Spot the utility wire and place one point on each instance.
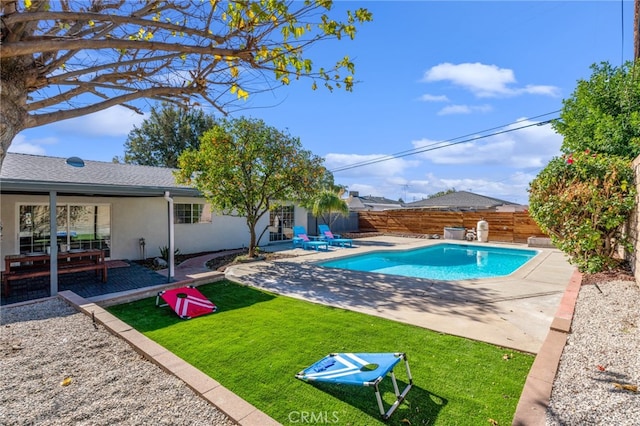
(446, 143)
(434, 146)
(622, 32)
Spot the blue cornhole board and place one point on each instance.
(360, 369)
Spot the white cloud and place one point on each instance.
(381, 179)
(398, 180)
(378, 169)
(484, 80)
(367, 189)
(530, 147)
(419, 189)
(540, 90)
(505, 190)
(434, 98)
(464, 109)
(21, 145)
(455, 109)
(522, 178)
(114, 121)
(500, 166)
(512, 188)
(382, 188)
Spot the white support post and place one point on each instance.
(171, 254)
(53, 243)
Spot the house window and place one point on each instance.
(191, 213)
(79, 227)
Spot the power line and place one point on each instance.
(446, 143)
(621, 32)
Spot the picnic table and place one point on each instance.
(38, 264)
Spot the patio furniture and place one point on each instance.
(360, 369)
(332, 239)
(187, 302)
(301, 239)
(32, 265)
(296, 240)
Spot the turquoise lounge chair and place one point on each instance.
(301, 239)
(334, 239)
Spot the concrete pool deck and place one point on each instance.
(513, 312)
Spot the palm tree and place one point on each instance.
(328, 202)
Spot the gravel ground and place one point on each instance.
(600, 365)
(58, 369)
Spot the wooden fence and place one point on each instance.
(503, 227)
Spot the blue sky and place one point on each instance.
(428, 72)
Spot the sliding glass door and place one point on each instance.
(80, 226)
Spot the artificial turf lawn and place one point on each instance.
(257, 341)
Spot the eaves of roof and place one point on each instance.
(382, 205)
(22, 186)
(24, 173)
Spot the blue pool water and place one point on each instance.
(439, 262)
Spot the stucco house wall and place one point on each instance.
(132, 219)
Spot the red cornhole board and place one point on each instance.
(187, 302)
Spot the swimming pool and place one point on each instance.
(447, 262)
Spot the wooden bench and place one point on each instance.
(19, 267)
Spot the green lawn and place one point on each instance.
(257, 341)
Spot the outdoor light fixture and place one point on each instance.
(142, 243)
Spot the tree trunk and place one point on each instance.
(8, 131)
(252, 238)
(13, 97)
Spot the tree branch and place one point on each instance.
(42, 119)
(54, 100)
(100, 17)
(22, 48)
(90, 70)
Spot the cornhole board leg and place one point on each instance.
(380, 405)
(399, 396)
(158, 302)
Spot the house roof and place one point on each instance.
(41, 174)
(378, 200)
(363, 201)
(460, 200)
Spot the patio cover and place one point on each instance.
(187, 302)
(360, 369)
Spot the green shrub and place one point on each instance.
(582, 202)
(164, 252)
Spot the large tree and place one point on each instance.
(603, 113)
(62, 59)
(243, 166)
(163, 136)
